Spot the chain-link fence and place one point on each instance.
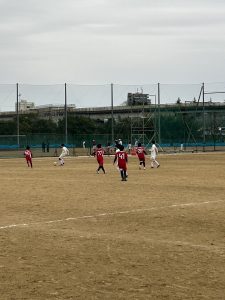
(177, 116)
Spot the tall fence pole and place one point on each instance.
(17, 116)
(65, 110)
(112, 114)
(159, 121)
(203, 111)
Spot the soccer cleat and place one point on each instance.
(158, 166)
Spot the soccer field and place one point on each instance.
(69, 233)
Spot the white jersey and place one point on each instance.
(154, 151)
(65, 151)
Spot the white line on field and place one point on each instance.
(138, 210)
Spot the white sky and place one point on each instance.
(119, 41)
(104, 41)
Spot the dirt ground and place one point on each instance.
(69, 233)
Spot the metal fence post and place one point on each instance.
(159, 125)
(17, 116)
(66, 130)
(112, 115)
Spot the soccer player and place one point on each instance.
(141, 155)
(154, 152)
(117, 149)
(65, 152)
(129, 147)
(108, 148)
(99, 153)
(93, 146)
(28, 156)
(122, 158)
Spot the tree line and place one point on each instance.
(173, 127)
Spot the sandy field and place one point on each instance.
(69, 233)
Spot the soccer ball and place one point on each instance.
(55, 163)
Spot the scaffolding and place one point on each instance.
(210, 129)
(143, 126)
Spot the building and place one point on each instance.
(138, 99)
(24, 105)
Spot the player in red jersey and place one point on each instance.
(99, 153)
(28, 156)
(122, 158)
(141, 155)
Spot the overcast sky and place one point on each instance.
(98, 42)
(104, 41)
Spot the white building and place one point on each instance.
(25, 105)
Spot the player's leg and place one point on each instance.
(97, 171)
(28, 162)
(103, 169)
(101, 162)
(99, 166)
(125, 175)
(157, 163)
(152, 162)
(61, 160)
(140, 165)
(144, 164)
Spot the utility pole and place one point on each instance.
(17, 115)
(65, 113)
(159, 125)
(203, 111)
(112, 115)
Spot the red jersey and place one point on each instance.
(141, 153)
(28, 154)
(99, 152)
(121, 156)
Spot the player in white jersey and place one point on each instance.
(154, 152)
(65, 152)
(117, 149)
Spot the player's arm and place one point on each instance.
(115, 158)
